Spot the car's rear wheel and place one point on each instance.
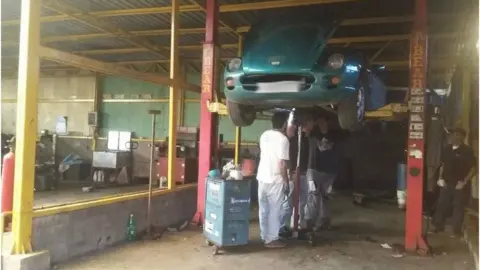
(241, 115)
(352, 111)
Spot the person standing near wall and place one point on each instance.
(272, 179)
(457, 169)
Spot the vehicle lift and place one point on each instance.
(210, 108)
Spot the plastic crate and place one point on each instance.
(227, 212)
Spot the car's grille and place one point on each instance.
(249, 82)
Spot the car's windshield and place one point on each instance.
(298, 32)
(321, 20)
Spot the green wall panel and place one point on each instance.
(133, 116)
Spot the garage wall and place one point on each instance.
(133, 116)
(53, 88)
(114, 116)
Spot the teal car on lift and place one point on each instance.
(286, 64)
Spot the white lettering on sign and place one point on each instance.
(418, 100)
(417, 108)
(415, 153)
(234, 201)
(416, 135)
(416, 118)
(208, 226)
(416, 126)
(417, 92)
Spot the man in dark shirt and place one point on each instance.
(458, 167)
(323, 165)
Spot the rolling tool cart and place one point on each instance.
(227, 213)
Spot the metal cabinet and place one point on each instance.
(227, 212)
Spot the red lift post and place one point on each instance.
(208, 120)
(414, 240)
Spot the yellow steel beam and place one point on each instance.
(97, 101)
(117, 198)
(391, 65)
(377, 54)
(182, 94)
(187, 8)
(108, 68)
(94, 22)
(173, 97)
(155, 32)
(403, 64)
(135, 50)
(225, 25)
(338, 40)
(26, 133)
(241, 29)
(376, 20)
(466, 101)
(238, 130)
(105, 100)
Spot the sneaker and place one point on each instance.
(275, 244)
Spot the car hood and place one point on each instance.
(285, 47)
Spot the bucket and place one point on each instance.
(401, 185)
(248, 167)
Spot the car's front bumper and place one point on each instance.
(316, 95)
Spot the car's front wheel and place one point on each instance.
(352, 111)
(241, 115)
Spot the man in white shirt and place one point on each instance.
(272, 179)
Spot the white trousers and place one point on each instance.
(270, 198)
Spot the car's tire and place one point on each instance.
(241, 115)
(352, 111)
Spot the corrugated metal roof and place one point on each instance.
(66, 28)
(91, 44)
(354, 9)
(102, 5)
(144, 22)
(140, 56)
(11, 10)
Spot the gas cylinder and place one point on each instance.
(248, 167)
(7, 182)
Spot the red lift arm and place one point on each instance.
(208, 120)
(414, 240)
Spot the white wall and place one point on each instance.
(51, 89)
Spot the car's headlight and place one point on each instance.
(234, 64)
(336, 61)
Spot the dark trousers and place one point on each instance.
(451, 199)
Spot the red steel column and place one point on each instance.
(416, 135)
(208, 120)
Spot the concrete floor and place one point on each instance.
(353, 244)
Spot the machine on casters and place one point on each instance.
(113, 166)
